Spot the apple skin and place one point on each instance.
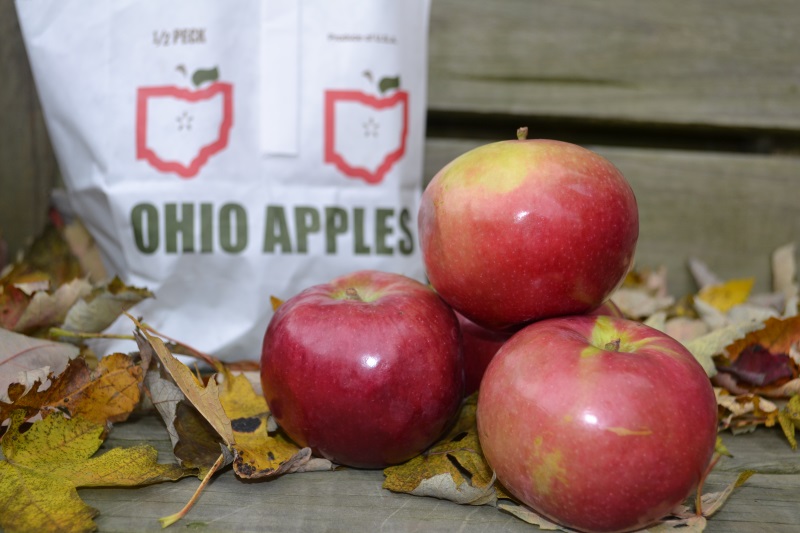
(364, 382)
(596, 439)
(516, 231)
(479, 345)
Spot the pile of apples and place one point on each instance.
(597, 422)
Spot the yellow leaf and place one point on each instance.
(727, 295)
(257, 453)
(453, 469)
(276, 302)
(44, 466)
(789, 420)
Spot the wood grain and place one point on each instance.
(716, 62)
(353, 500)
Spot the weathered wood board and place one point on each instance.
(712, 63)
(352, 500)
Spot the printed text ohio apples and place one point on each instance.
(517, 231)
(366, 370)
(599, 423)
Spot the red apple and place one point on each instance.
(517, 231)
(598, 423)
(478, 346)
(366, 370)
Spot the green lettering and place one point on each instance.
(144, 219)
(406, 243)
(206, 228)
(306, 220)
(361, 248)
(382, 231)
(232, 228)
(183, 226)
(276, 231)
(335, 224)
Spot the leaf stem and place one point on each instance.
(210, 360)
(698, 502)
(171, 519)
(61, 332)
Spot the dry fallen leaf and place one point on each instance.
(257, 454)
(44, 465)
(204, 398)
(762, 361)
(102, 306)
(453, 469)
(789, 420)
(44, 308)
(109, 393)
(26, 360)
(724, 296)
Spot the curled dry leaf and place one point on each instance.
(44, 308)
(204, 398)
(762, 360)
(26, 360)
(257, 453)
(97, 310)
(453, 469)
(109, 393)
(44, 465)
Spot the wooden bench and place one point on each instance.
(698, 103)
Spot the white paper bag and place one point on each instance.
(224, 151)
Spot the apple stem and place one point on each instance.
(613, 346)
(522, 133)
(352, 294)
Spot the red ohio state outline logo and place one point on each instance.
(332, 156)
(203, 155)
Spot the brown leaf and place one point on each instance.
(109, 393)
(205, 398)
(26, 360)
(49, 255)
(761, 360)
(102, 306)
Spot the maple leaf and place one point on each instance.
(257, 453)
(44, 465)
(453, 469)
(109, 393)
(26, 360)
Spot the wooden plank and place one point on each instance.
(729, 210)
(685, 62)
(353, 500)
(28, 170)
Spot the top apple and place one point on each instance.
(520, 230)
